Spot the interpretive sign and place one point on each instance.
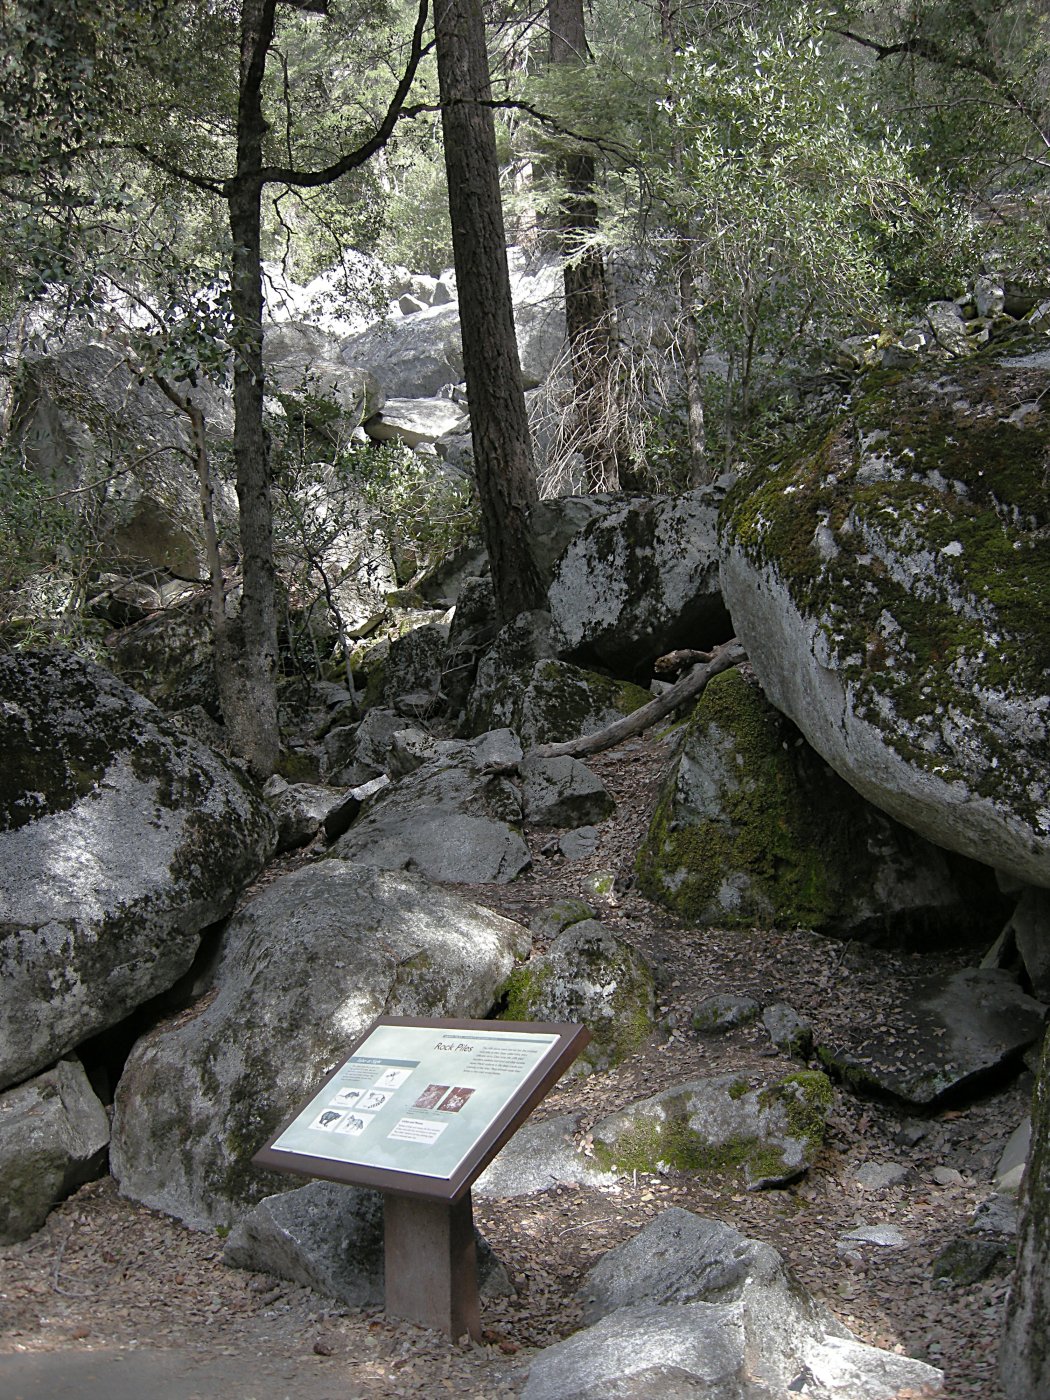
(418, 1108)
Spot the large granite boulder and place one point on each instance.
(950, 1036)
(120, 841)
(521, 684)
(753, 827)
(418, 356)
(1024, 1358)
(690, 1307)
(889, 580)
(304, 969)
(53, 1137)
(304, 370)
(83, 416)
(640, 580)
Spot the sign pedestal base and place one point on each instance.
(431, 1264)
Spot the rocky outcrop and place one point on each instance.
(120, 841)
(753, 827)
(448, 818)
(595, 979)
(82, 416)
(888, 579)
(303, 970)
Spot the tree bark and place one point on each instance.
(691, 685)
(599, 429)
(254, 723)
(499, 424)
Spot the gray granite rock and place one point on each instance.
(948, 1037)
(330, 1238)
(539, 1156)
(53, 1137)
(562, 792)
(767, 1136)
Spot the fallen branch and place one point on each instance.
(691, 685)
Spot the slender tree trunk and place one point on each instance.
(499, 424)
(590, 320)
(254, 725)
(689, 337)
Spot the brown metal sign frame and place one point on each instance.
(571, 1040)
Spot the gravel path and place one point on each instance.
(111, 1300)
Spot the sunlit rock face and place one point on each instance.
(120, 841)
(304, 969)
(890, 579)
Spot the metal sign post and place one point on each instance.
(417, 1110)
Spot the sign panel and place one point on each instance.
(420, 1107)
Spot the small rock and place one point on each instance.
(996, 1216)
(723, 1012)
(579, 844)
(877, 1176)
(967, 1260)
(947, 1176)
(884, 1236)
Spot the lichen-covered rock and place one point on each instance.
(415, 663)
(53, 1137)
(722, 1127)
(120, 840)
(300, 810)
(949, 1035)
(639, 580)
(448, 819)
(304, 969)
(1024, 1357)
(168, 657)
(591, 977)
(562, 791)
(753, 827)
(495, 697)
(891, 583)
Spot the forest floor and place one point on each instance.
(111, 1301)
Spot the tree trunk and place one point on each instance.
(499, 425)
(689, 339)
(254, 725)
(599, 429)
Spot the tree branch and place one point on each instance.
(352, 160)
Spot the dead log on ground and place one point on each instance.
(690, 686)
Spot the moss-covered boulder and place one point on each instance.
(303, 970)
(121, 839)
(723, 1128)
(890, 579)
(593, 978)
(754, 827)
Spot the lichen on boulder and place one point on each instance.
(890, 580)
(722, 1127)
(590, 977)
